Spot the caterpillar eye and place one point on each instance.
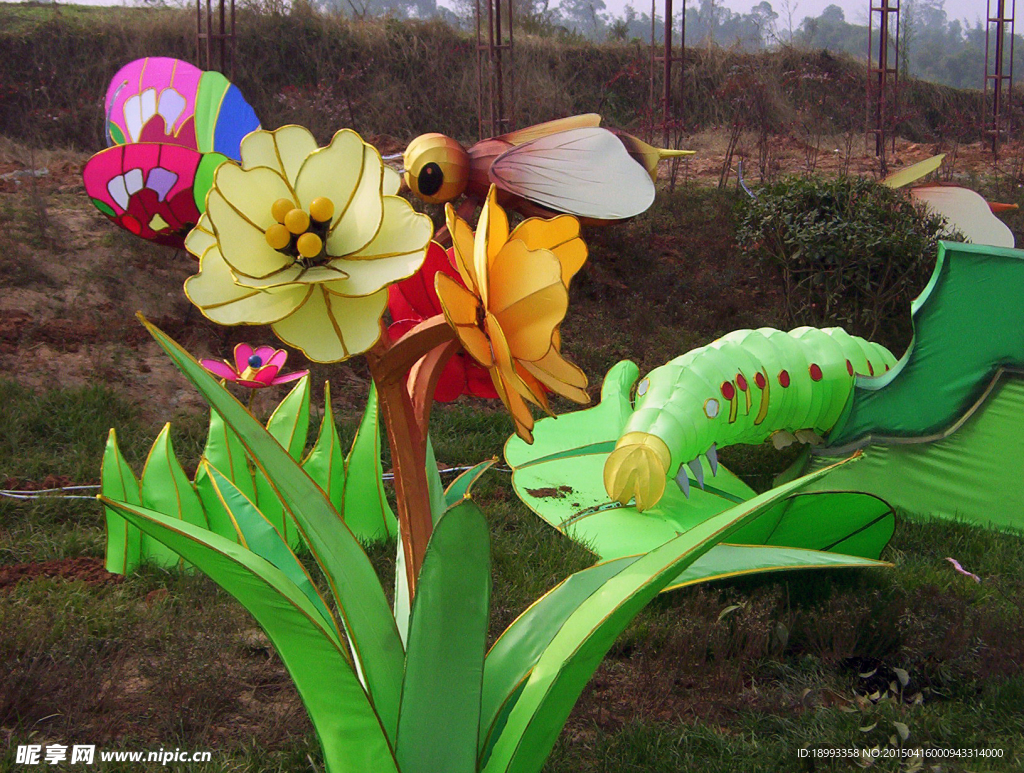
(639, 390)
(431, 179)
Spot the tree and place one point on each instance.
(585, 17)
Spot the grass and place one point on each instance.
(165, 659)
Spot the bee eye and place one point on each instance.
(430, 180)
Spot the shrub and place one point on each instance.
(845, 251)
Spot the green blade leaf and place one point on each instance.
(326, 463)
(117, 481)
(401, 606)
(366, 511)
(257, 534)
(459, 488)
(724, 561)
(350, 731)
(225, 452)
(367, 619)
(219, 518)
(289, 425)
(434, 485)
(167, 489)
(440, 718)
(513, 656)
(578, 647)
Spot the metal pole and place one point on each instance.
(479, 78)
(510, 120)
(499, 75)
(490, 57)
(233, 40)
(209, 33)
(667, 105)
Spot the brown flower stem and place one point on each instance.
(406, 375)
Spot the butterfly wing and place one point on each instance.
(222, 116)
(585, 172)
(156, 191)
(153, 100)
(159, 99)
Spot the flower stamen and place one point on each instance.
(299, 234)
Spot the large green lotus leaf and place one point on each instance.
(366, 509)
(562, 481)
(166, 488)
(350, 731)
(837, 521)
(325, 463)
(581, 642)
(117, 481)
(581, 432)
(289, 425)
(568, 492)
(368, 621)
(257, 534)
(440, 719)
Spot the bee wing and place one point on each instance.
(584, 172)
(520, 136)
(965, 211)
(914, 172)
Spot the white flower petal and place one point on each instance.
(329, 327)
(282, 150)
(392, 182)
(348, 172)
(251, 192)
(214, 291)
(396, 252)
(242, 241)
(201, 238)
(294, 275)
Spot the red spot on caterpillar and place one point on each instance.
(871, 368)
(728, 392)
(849, 367)
(759, 380)
(815, 372)
(886, 368)
(741, 382)
(784, 378)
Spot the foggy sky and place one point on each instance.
(856, 10)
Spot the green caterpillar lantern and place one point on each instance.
(747, 387)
